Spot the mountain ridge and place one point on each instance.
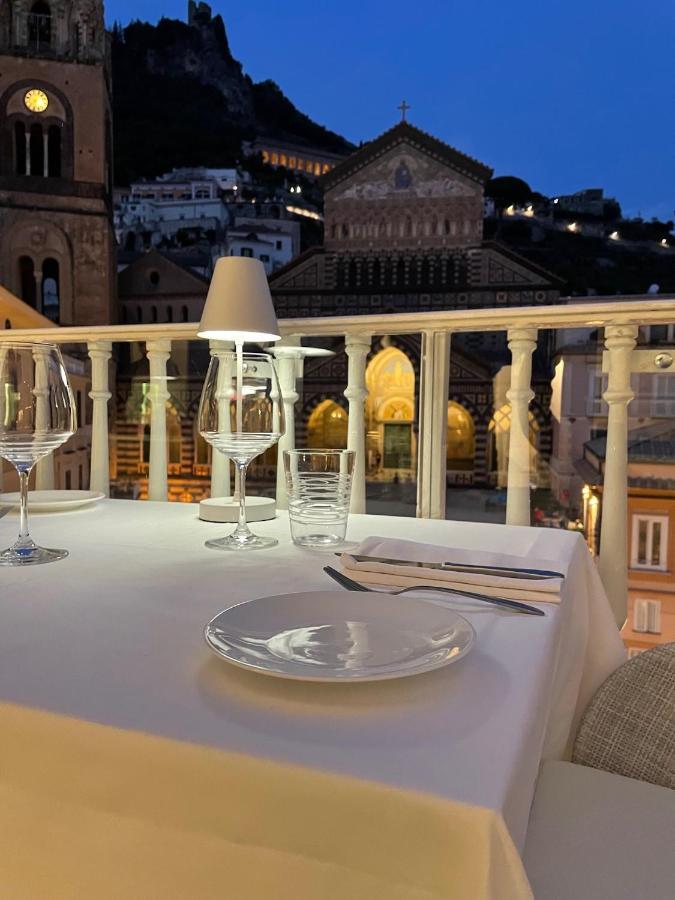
(181, 98)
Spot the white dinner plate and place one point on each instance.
(53, 501)
(340, 636)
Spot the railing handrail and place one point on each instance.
(645, 309)
(619, 316)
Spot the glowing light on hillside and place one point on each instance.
(614, 236)
(307, 213)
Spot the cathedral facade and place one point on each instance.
(56, 237)
(404, 233)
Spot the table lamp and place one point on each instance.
(239, 304)
(238, 308)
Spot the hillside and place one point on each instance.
(180, 98)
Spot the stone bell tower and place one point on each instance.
(56, 236)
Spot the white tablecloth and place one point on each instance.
(113, 635)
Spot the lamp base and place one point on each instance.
(226, 509)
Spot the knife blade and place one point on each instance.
(498, 571)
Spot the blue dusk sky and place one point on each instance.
(563, 93)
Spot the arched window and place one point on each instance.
(50, 289)
(390, 411)
(20, 148)
(186, 314)
(169, 314)
(37, 151)
(139, 314)
(8, 324)
(39, 25)
(27, 280)
(154, 313)
(461, 440)
(54, 151)
(327, 426)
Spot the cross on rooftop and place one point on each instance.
(404, 107)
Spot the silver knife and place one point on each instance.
(500, 571)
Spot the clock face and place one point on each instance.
(36, 100)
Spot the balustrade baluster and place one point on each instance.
(433, 425)
(357, 347)
(613, 563)
(158, 353)
(99, 476)
(522, 342)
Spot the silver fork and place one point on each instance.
(514, 605)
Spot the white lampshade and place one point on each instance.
(239, 304)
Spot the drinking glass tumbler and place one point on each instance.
(319, 486)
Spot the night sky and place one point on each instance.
(563, 93)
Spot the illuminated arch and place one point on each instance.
(327, 426)
(461, 440)
(390, 413)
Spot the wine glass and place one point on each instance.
(241, 414)
(37, 415)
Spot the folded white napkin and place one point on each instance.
(546, 590)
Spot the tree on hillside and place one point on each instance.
(507, 190)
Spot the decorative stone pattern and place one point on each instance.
(404, 200)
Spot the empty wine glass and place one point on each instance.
(241, 415)
(37, 415)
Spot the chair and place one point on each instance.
(603, 826)
(629, 726)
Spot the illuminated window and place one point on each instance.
(317, 168)
(649, 544)
(327, 426)
(283, 159)
(275, 159)
(291, 162)
(461, 437)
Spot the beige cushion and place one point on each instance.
(629, 726)
(594, 835)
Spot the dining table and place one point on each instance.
(134, 763)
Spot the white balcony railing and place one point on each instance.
(620, 318)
